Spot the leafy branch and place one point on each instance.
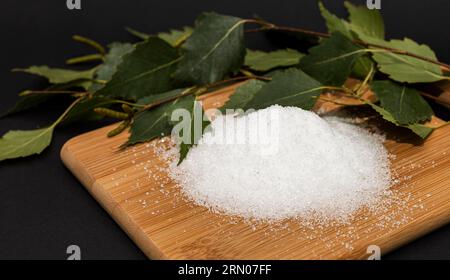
(141, 84)
(22, 143)
(267, 26)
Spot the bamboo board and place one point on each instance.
(127, 184)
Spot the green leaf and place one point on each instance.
(112, 59)
(331, 62)
(335, 24)
(215, 49)
(404, 68)
(57, 75)
(362, 23)
(365, 22)
(362, 66)
(405, 104)
(419, 129)
(244, 93)
(22, 143)
(264, 61)
(290, 87)
(369, 27)
(176, 37)
(144, 71)
(195, 130)
(357, 28)
(156, 122)
(27, 102)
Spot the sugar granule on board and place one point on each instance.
(306, 166)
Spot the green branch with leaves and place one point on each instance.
(141, 84)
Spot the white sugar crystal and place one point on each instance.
(310, 166)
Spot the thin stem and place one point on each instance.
(85, 58)
(379, 48)
(102, 82)
(335, 102)
(106, 112)
(186, 92)
(358, 96)
(64, 114)
(359, 91)
(238, 79)
(129, 103)
(90, 42)
(35, 92)
(435, 98)
(345, 90)
(270, 26)
(192, 90)
(246, 73)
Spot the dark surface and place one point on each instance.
(43, 208)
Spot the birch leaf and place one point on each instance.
(156, 122)
(244, 93)
(363, 23)
(290, 87)
(22, 143)
(196, 130)
(265, 61)
(404, 68)
(419, 129)
(215, 49)
(57, 75)
(144, 71)
(112, 59)
(405, 104)
(331, 62)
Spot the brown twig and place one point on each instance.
(336, 102)
(186, 92)
(246, 77)
(192, 90)
(270, 26)
(435, 98)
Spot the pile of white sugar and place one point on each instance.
(285, 162)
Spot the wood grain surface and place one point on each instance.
(132, 187)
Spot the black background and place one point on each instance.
(43, 208)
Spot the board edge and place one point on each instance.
(120, 216)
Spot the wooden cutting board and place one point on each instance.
(131, 185)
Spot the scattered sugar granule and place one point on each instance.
(284, 162)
